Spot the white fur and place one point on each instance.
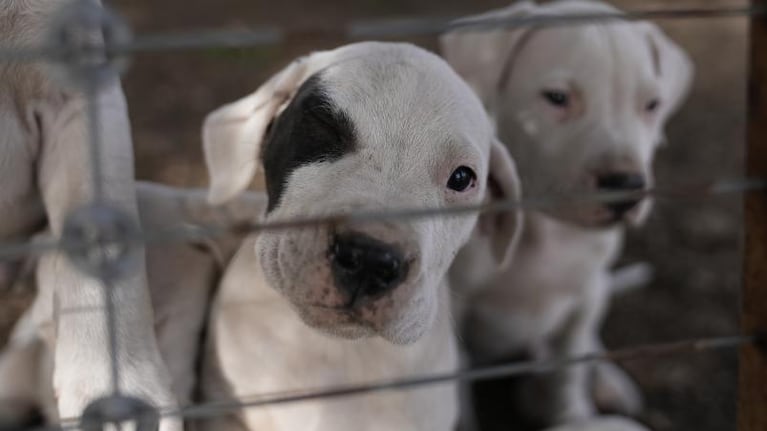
(45, 174)
(415, 121)
(551, 300)
(182, 277)
(260, 343)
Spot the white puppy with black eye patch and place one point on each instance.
(366, 127)
(581, 109)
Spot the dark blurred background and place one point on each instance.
(693, 245)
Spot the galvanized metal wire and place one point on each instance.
(503, 370)
(698, 345)
(187, 232)
(203, 39)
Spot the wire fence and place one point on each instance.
(88, 64)
(658, 350)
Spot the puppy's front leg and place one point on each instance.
(580, 336)
(82, 360)
(563, 396)
(614, 390)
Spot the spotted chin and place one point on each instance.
(336, 323)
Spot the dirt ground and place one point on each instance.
(693, 245)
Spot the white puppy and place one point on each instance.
(366, 127)
(582, 109)
(44, 175)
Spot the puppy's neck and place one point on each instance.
(540, 225)
(541, 228)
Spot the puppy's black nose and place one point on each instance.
(621, 181)
(364, 266)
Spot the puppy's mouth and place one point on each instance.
(346, 283)
(629, 190)
(622, 211)
(597, 215)
(357, 316)
(344, 321)
(346, 309)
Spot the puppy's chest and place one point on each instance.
(279, 353)
(561, 259)
(266, 348)
(299, 357)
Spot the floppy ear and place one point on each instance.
(502, 228)
(233, 134)
(480, 54)
(673, 67)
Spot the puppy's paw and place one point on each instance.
(546, 402)
(614, 391)
(605, 423)
(631, 277)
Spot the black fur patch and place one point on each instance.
(311, 129)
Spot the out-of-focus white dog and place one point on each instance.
(182, 276)
(581, 109)
(44, 175)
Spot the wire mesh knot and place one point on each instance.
(85, 40)
(117, 410)
(101, 241)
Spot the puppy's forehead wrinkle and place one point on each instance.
(406, 111)
(608, 59)
(408, 94)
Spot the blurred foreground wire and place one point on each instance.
(647, 351)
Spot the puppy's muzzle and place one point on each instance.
(364, 267)
(621, 182)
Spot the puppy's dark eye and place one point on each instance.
(652, 105)
(461, 179)
(557, 98)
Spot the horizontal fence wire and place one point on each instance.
(675, 194)
(389, 28)
(511, 369)
(482, 373)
